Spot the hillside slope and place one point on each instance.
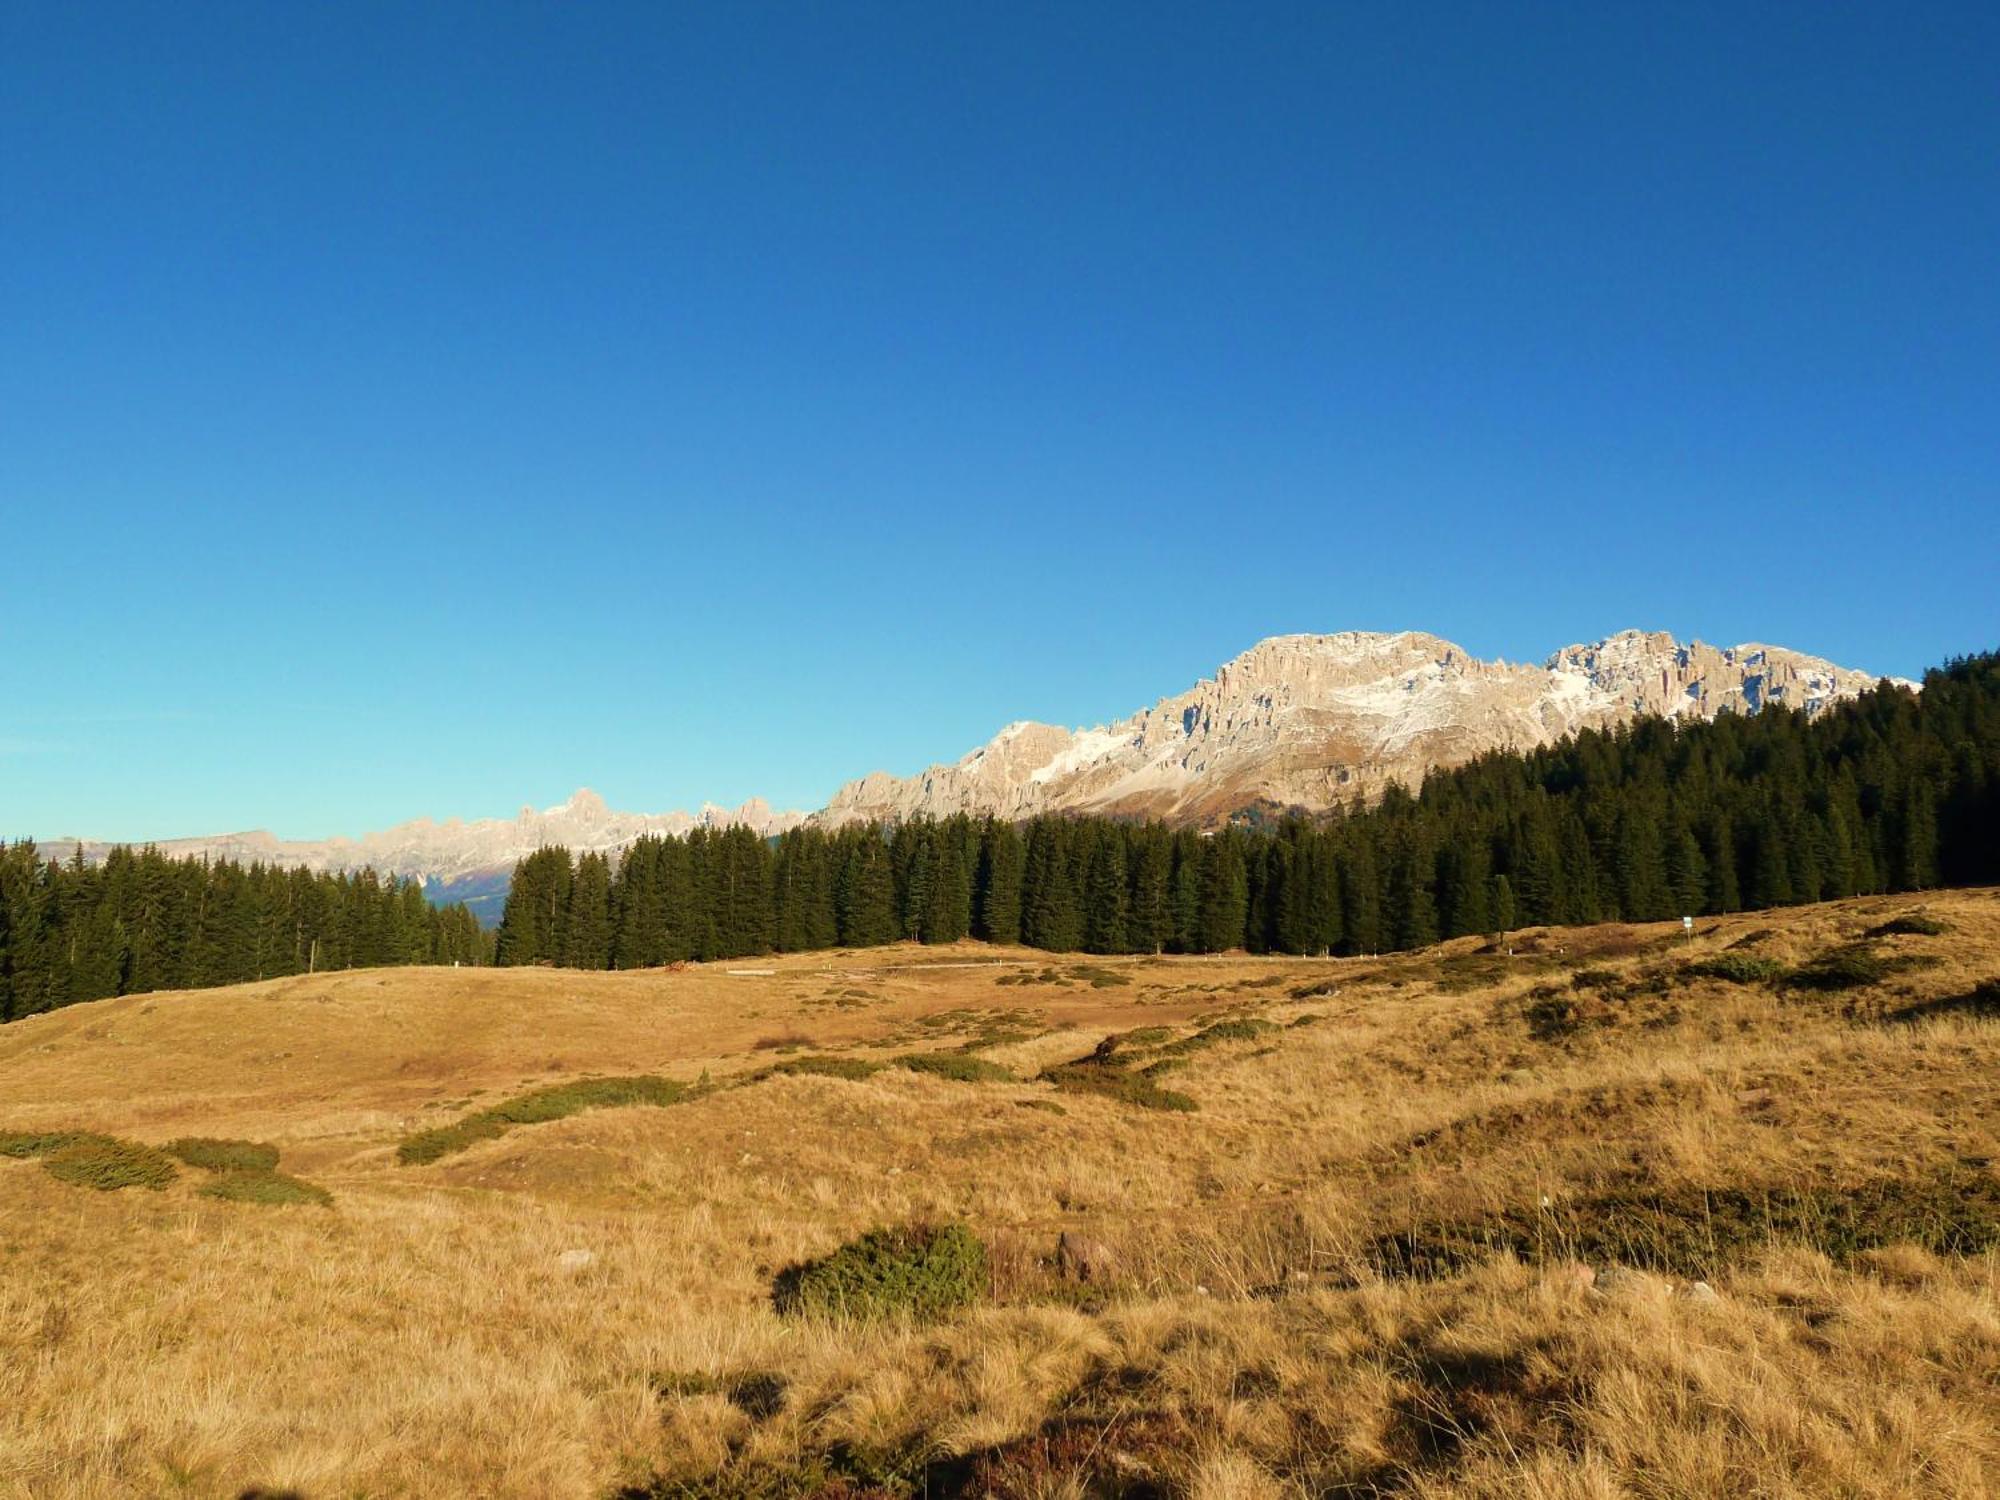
(1380, 1253)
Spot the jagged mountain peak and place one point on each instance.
(1313, 719)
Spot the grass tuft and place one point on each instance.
(1698, 1231)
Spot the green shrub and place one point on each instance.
(1595, 979)
(555, 1102)
(853, 1069)
(957, 1066)
(1100, 978)
(26, 1143)
(1849, 968)
(1910, 924)
(1738, 968)
(1105, 1081)
(917, 1271)
(108, 1165)
(1239, 1029)
(265, 1186)
(212, 1155)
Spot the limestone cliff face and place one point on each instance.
(1312, 720)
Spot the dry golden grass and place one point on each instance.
(430, 1335)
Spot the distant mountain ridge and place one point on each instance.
(1297, 721)
(1309, 721)
(454, 851)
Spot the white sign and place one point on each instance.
(1687, 924)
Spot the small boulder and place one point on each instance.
(572, 1261)
(1700, 1291)
(1083, 1257)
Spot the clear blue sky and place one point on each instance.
(429, 409)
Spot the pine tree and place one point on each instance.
(1105, 895)
(1000, 861)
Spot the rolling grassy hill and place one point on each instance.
(1610, 1213)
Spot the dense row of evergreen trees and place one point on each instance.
(1653, 820)
(140, 921)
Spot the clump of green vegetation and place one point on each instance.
(1237, 1029)
(1045, 1106)
(1738, 968)
(556, 1102)
(22, 1144)
(1146, 1036)
(265, 1186)
(1850, 968)
(213, 1155)
(916, 1271)
(958, 1066)
(1106, 1080)
(108, 1164)
(1100, 978)
(1695, 1232)
(1310, 1018)
(1595, 979)
(1910, 924)
(853, 1069)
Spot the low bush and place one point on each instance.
(265, 1186)
(1910, 924)
(853, 1069)
(958, 1066)
(1240, 1029)
(22, 1144)
(1738, 968)
(1849, 968)
(107, 1164)
(557, 1101)
(1100, 978)
(1595, 979)
(1108, 1081)
(916, 1271)
(212, 1155)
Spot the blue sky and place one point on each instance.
(432, 409)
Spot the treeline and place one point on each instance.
(1891, 792)
(70, 931)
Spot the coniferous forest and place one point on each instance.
(1891, 792)
(141, 921)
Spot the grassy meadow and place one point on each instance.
(1589, 1213)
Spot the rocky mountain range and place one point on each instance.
(1311, 720)
(1303, 721)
